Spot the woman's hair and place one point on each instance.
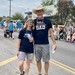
(27, 24)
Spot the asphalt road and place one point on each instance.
(62, 61)
(65, 53)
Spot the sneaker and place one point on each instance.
(13, 38)
(23, 73)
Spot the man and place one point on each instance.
(71, 29)
(2, 24)
(42, 26)
(19, 25)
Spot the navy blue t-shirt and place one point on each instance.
(26, 45)
(41, 31)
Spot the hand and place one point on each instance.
(54, 46)
(17, 53)
(31, 39)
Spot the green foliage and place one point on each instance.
(17, 16)
(0, 18)
(73, 11)
(47, 2)
(65, 8)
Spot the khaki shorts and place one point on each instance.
(24, 56)
(42, 51)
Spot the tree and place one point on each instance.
(47, 2)
(73, 13)
(64, 9)
(17, 16)
(0, 18)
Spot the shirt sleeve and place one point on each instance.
(49, 24)
(20, 36)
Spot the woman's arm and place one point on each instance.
(19, 41)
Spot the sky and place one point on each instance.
(21, 6)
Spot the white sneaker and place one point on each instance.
(13, 37)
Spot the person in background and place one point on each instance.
(68, 37)
(61, 34)
(2, 24)
(25, 47)
(11, 29)
(15, 26)
(19, 25)
(5, 23)
(73, 37)
(71, 29)
(56, 34)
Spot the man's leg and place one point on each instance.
(10, 34)
(38, 55)
(46, 57)
(46, 66)
(13, 34)
(39, 66)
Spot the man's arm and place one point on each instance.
(52, 37)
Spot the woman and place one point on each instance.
(25, 47)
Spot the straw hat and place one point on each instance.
(38, 8)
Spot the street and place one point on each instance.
(62, 61)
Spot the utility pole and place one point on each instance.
(10, 8)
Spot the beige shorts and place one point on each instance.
(42, 51)
(24, 56)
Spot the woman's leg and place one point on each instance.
(28, 61)
(21, 66)
(27, 67)
(21, 58)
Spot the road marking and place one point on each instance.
(73, 69)
(73, 72)
(8, 61)
(63, 66)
